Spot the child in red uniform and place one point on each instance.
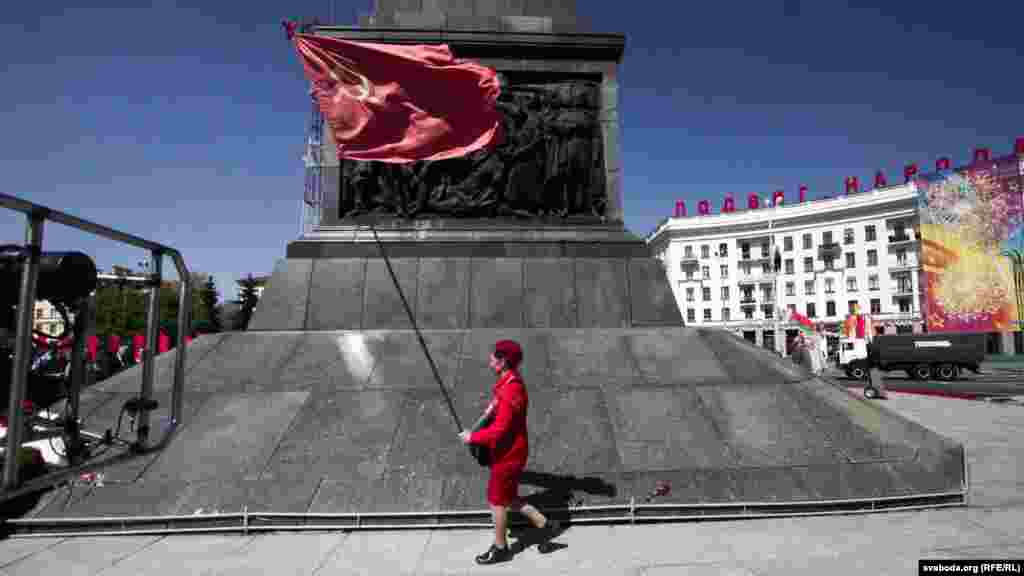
(506, 438)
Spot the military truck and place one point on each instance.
(922, 356)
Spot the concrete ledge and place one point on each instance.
(457, 292)
(313, 249)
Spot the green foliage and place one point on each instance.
(211, 310)
(121, 308)
(249, 300)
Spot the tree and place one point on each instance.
(249, 300)
(210, 307)
(121, 307)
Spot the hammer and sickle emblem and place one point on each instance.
(351, 83)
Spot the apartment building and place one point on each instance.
(742, 270)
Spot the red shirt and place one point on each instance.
(506, 435)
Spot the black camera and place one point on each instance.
(64, 277)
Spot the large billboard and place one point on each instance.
(972, 245)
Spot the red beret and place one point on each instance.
(510, 351)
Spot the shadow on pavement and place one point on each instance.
(559, 493)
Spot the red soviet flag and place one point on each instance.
(400, 104)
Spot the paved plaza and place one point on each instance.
(885, 543)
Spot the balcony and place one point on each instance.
(759, 278)
(747, 301)
(907, 264)
(898, 316)
(688, 261)
(755, 258)
(830, 250)
(901, 238)
(906, 290)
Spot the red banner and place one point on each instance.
(398, 104)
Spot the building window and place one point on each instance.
(745, 252)
(904, 304)
(869, 233)
(851, 284)
(851, 260)
(830, 286)
(723, 250)
(688, 252)
(830, 263)
(724, 270)
(904, 285)
(746, 268)
(725, 293)
(872, 257)
(706, 294)
(705, 251)
(899, 233)
(766, 268)
(901, 258)
(691, 315)
(689, 274)
(873, 282)
(790, 288)
(876, 306)
(808, 242)
(725, 314)
(789, 266)
(689, 294)
(748, 314)
(811, 313)
(764, 250)
(808, 265)
(851, 306)
(769, 312)
(830, 308)
(787, 243)
(848, 236)
(809, 287)
(707, 314)
(826, 237)
(705, 272)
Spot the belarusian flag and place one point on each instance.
(803, 322)
(399, 104)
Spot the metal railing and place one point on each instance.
(633, 511)
(36, 216)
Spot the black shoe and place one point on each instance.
(552, 529)
(494, 555)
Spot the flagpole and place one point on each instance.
(412, 320)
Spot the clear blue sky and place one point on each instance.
(183, 122)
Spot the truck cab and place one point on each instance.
(853, 357)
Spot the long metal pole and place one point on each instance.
(412, 320)
(184, 328)
(23, 347)
(77, 379)
(149, 354)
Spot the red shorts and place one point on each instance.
(503, 484)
